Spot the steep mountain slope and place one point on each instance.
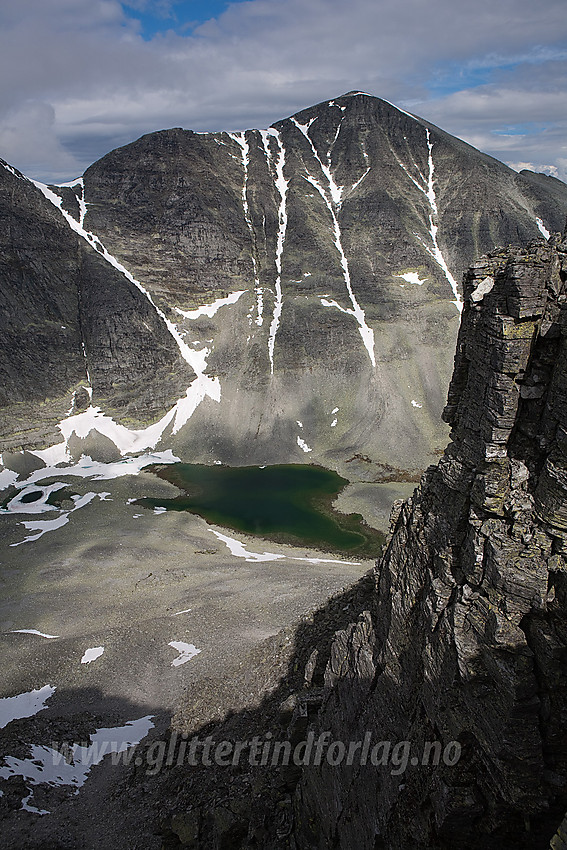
(308, 274)
(68, 319)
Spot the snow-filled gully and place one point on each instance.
(201, 387)
(281, 185)
(242, 142)
(332, 197)
(426, 186)
(94, 242)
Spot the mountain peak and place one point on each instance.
(355, 93)
(337, 236)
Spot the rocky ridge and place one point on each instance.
(466, 638)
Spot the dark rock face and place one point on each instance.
(68, 318)
(40, 334)
(435, 687)
(134, 363)
(465, 639)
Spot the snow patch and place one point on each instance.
(482, 289)
(427, 187)
(39, 506)
(33, 632)
(12, 171)
(281, 185)
(43, 526)
(303, 445)
(92, 654)
(97, 471)
(414, 403)
(24, 705)
(129, 441)
(72, 765)
(327, 561)
(209, 310)
(78, 181)
(542, 228)
(7, 478)
(54, 454)
(360, 179)
(240, 551)
(186, 652)
(240, 139)
(412, 277)
(85, 468)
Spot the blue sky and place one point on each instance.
(181, 17)
(81, 77)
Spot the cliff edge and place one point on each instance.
(466, 639)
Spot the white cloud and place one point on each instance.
(552, 170)
(95, 83)
(28, 135)
(524, 125)
(505, 105)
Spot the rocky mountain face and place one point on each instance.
(448, 659)
(71, 327)
(269, 295)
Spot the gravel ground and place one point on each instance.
(116, 576)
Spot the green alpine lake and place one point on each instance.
(288, 503)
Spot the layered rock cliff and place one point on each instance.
(466, 638)
(73, 329)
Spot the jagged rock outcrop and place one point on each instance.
(466, 640)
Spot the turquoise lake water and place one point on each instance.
(288, 503)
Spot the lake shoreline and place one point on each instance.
(315, 495)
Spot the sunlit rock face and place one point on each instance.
(233, 285)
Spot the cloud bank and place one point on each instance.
(81, 77)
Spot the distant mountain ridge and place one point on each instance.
(287, 294)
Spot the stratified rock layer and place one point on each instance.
(466, 639)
